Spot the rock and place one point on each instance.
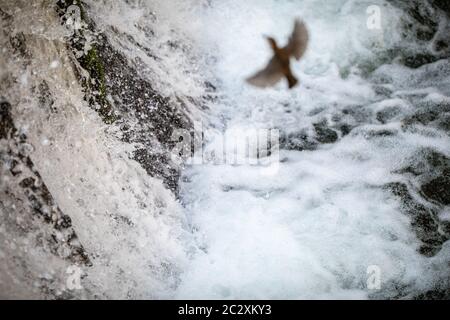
(377, 133)
(325, 134)
(345, 129)
(382, 90)
(387, 114)
(421, 117)
(144, 116)
(444, 122)
(430, 113)
(431, 170)
(154, 117)
(444, 5)
(439, 189)
(299, 141)
(46, 100)
(94, 85)
(24, 185)
(424, 220)
(418, 60)
(19, 45)
(6, 122)
(303, 140)
(440, 293)
(423, 25)
(427, 163)
(359, 114)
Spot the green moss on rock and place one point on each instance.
(93, 64)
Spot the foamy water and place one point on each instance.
(315, 228)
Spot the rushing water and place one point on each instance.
(318, 227)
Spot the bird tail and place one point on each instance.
(291, 80)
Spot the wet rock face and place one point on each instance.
(6, 122)
(305, 140)
(439, 189)
(423, 25)
(427, 162)
(429, 170)
(444, 5)
(425, 221)
(34, 221)
(427, 191)
(439, 294)
(154, 117)
(123, 98)
(299, 141)
(436, 186)
(433, 114)
(324, 134)
(94, 83)
(27, 181)
(387, 114)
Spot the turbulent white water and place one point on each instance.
(314, 228)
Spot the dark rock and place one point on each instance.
(382, 91)
(439, 189)
(444, 5)
(418, 60)
(121, 96)
(45, 97)
(427, 163)
(154, 116)
(431, 170)
(421, 117)
(18, 43)
(299, 141)
(34, 194)
(303, 140)
(443, 122)
(6, 122)
(154, 165)
(357, 113)
(387, 114)
(440, 293)
(424, 220)
(135, 96)
(423, 25)
(94, 85)
(430, 113)
(325, 134)
(345, 129)
(378, 133)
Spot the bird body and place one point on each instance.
(280, 65)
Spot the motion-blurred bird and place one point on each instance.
(279, 66)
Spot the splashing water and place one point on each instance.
(314, 229)
(359, 123)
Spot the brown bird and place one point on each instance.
(279, 66)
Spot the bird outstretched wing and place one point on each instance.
(298, 41)
(269, 76)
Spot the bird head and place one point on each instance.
(272, 42)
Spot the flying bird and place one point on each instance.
(279, 66)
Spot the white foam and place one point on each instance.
(313, 229)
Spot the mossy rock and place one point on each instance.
(93, 64)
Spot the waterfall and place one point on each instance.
(96, 202)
